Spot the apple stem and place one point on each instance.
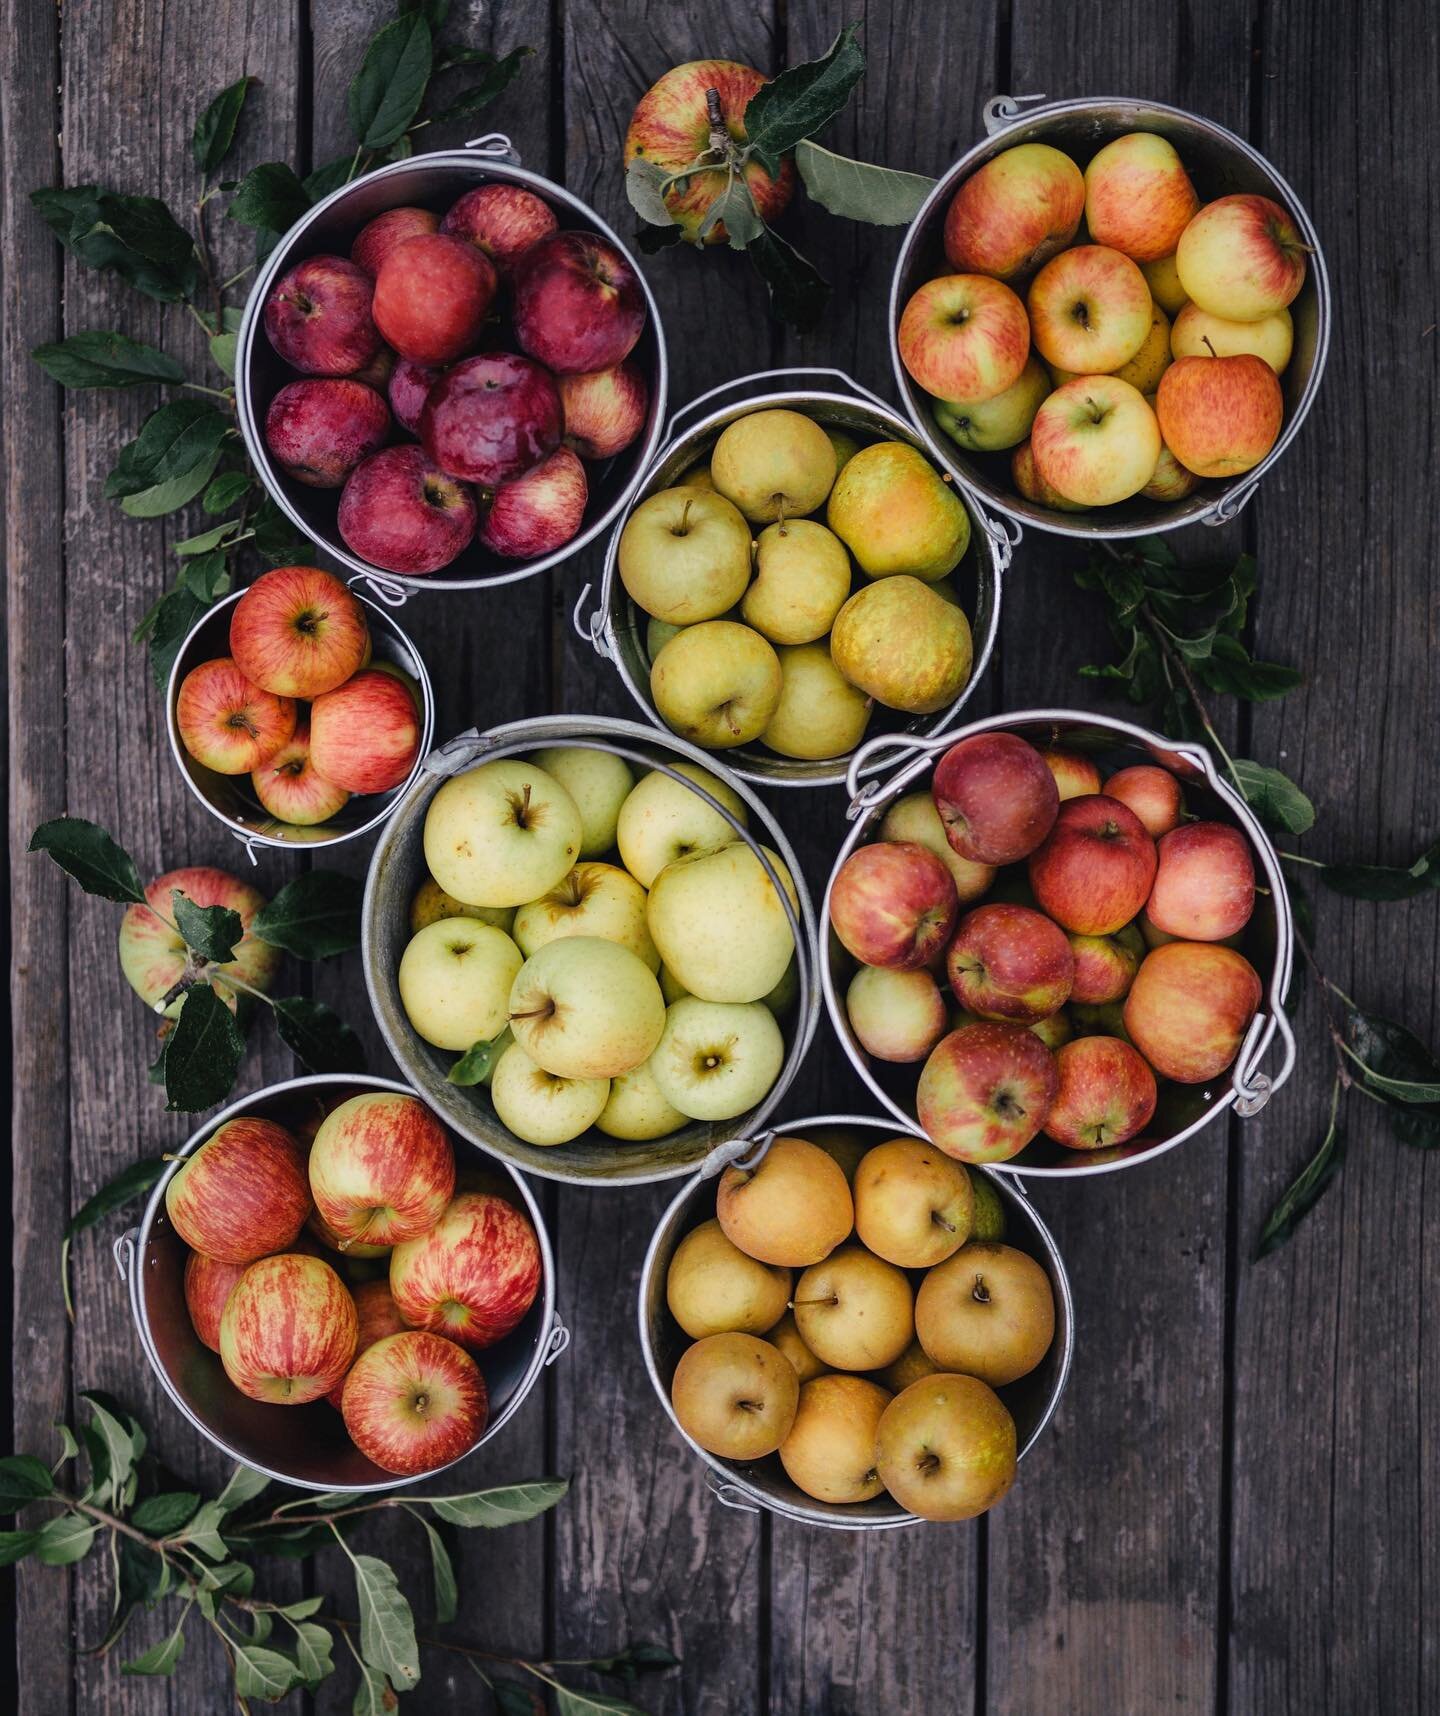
(981, 1293)
(1205, 338)
(719, 132)
(683, 528)
(832, 1299)
(543, 1012)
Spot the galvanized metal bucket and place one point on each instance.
(616, 627)
(430, 181)
(398, 868)
(1220, 164)
(762, 1483)
(231, 798)
(303, 1445)
(1270, 935)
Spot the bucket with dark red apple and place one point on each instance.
(511, 431)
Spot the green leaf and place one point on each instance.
(447, 1598)
(1227, 668)
(641, 1657)
(161, 1515)
(69, 1446)
(203, 1531)
(736, 208)
(859, 190)
(16, 1545)
(227, 488)
(223, 344)
(571, 1702)
(135, 237)
(269, 198)
(276, 539)
(318, 1035)
(387, 90)
(174, 441)
(203, 1055)
(23, 1479)
(313, 1645)
(261, 1672)
(477, 1064)
(1397, 1064)
(213, 931)
(85, 851)
(170, 622)
(1305, 1192)
(302, 1610)
(511, 1505)
(643, 187)
(206, 576)
(498, 78)
(1274, 798)
(513, 1699)
(206, 540)
(65, 1539)
(215, 128)
(315, 916)
(100, 359)
(131, 1183)
(373, 1696)
(802, 100)
(387, 1626)
(1381, 882)
(119, 1442)
(173, 493)
(320, 182)
(244, 1485)
(798, 293)
(161, 1658)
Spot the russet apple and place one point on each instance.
(893, 903)
(802, 577)
(378, 1316)
(717, 1059)
(985, 1091)
(663, 819)
(1204, 888)
(854, 1310)
(413, 1402)
(288, 1330)
(500, 834)
(226, 722)
(381, 1167)
(502, 220)
(298, 631)
(1241, 257)
(432, 297)
(965, 336)
(913, 1203)
(432, 903)
(1106, 1095)
(401, 512)
(1189, 1008)
(207, 1286)
(773, 465)
(471, 1277)
(1015, 212)
(995, 797)
(1090, 310)
(1025, 474)
(914, 817)
(1138, 196)
(717, 684)
(897, 515)
(1220, 416)
(365, 735)
(989, 1221)
(586, 1008)
(1152, 793)
(785, 1338)
(318, 317)
(605, 410)
(685, 555)
(1197, 333)
(830, 1450)
(592, 899)
(735, 1395)
(1009, 962)
(945, 1448)
(1096, 440)
(905, 645)
(820, 713)
(538, 512)
(491, 418)
(990, 425)
(1075, 774)
(599, 782)
(713, 1288)
(378, 237)
(1105, 965)
(793, 1207)
(319, 429)
(242, 1194)
(896, 1015)
(540, 1107)
(1092, 873)
(578, 304)
(153, 952)
(454, 980)
(637, 1109)
(912, 1364)
(408, 389)
(720, 924)
(987, 1311)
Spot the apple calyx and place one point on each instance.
(928, 1462)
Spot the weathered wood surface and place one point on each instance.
(1234, 1509)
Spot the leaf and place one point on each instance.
(143, 1577)
(319, 1036)
(270, 198)
(69, 1447)
(511, 1505)
(498, 78)
(1305, 1192)
(203, 1531)
(23, 1479)
(641, 1657)
(135, 237)
(261, 1672)
(100, 359)
(1228, 668)
(387, 90)
(204, 1053)
(798, 294)
(215, 128)
(315, 916)
(387, 1626)
(205, 541)
(643, 188)
(213, 931)
(223, 345)
(162, 1515)
(174, 441)
(1381, 882)
(160, 1658)
(85, 851)
(313, 1645)
(206, 576)
(859, 190)
(16, 1545)
(244, 1485)
(477, 1064)
(65, 1539)
(1397, 1064)
(302, 1610)
(321, 181)
(227, 488)
(1274, 798)
(736, 208)
(277, 539)
(513, 1699)
(170, 623)
(173, 493)
(446, 1594)
(802, 100)
(571, 1702)
(373, 1696)
(650, 241)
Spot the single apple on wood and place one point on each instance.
(288, 1330)
(153, 952)
(1015, 212)
(381, 1169)
(1189, 1008)
(1093, 872)
(318, 317)
(985, 1091)
(298, 632)
(893, 904)
(413, 1402)
(401, 512)
(473, 1276)
(433, 296)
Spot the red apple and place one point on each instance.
(964, 336)
(242, 1194)
(1090, 310)
(365, 736)
(1008, 962)
(1094, 870)
(1152, 793)
(1189, 1008)
(985, 1091)
(578, 303)
(501, 220)
(207, 1286)
(351, 1250)
(1138, 196)
(227, 723)
(377, 238)
(1106, 1094)
(298, 631)
(152, 951)
(377, 372)
(410, 385)
(381, 1169)
(1220, 415)
(473, 1276)
(400, 511)
(1075, 775)
(432, 297)
(996, 798)
(1204, 888)
(539, 512)
(320, 429)
(1241, 257)
(1095, 440)
(1027, 479)
(377, 1317)
(893, 903)
(287, 1333)
(1105, 965)
(292, 790)
(414, 1402)
(1014, 213)
(318, 317)
(604, 411)
(492, 418)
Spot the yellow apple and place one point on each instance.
(599, 782)
(830, 1451)
(904, 645)
(892, 510)
(586, 1008)
(793, 1207)
(913, 1203)
(802, 577)
(540, 1107)
(717, 684)
(989, 425)
(820, 713)
(854, 1310)
(636, 1108)
(685, 555)
(773, 464)
(945, 1448)
(719, 922)
(454, 981)
(712, 1287)
(664, 819)
(502, 833)
(735, 1395)
(592, 899)
(1199, 334)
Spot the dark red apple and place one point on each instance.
(539, 512)
(319, 430)
(318, 317)
(501, 220)
(1094, 870)
(578, 303)
(996, 798)
(410, 385)
(491, 418)
(377, 238)
(605, 410)
(401, 512)
(1008, 962)
(207, 1286)
(432, 296)
(378, 371)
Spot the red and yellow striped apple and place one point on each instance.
(985, 1091)
(1096, 440)
(1241, 257)
(1204, 888)
(604, 410)
(381, 1169)
(378, 1317)
(893, 904)
(1090, 310)
(473, 1276)
(1009, 962)
(1106, 1096)
(414, 1402)
(242, 1194)
(1014, 213)
(226, 722)
(298, 631)
(965, 336)
(207, 1286)
(1189, 1008)
(365, 735)
(292, 789)
(1220, 415)
(1093, 873)
(1138, 196)
(287, 1333)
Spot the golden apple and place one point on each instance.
(989, 425)
(896, 515)
(717, 684)
(735, 1395)
(685, 555)
(787, 1338)
(793, 1207)
(712, 1287)
(913, 1203)
(820, 713)
(855, 1311)
(946, 1447)
(773, 465)
(802, 577)
(830, 1451)
(988, 1311)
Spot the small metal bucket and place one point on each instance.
(231, 798)
(1220, 164)
(763, 1483)
(616, 629)
(303, 1445)
(430, 181)
(398, 868)
(1270, 934)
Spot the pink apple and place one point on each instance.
(475, 1274)
(377, 238)
(1008, 962)
(1105, 965)
(539, 512)
(298, 631)
(401, 512)
(318, 317)
(1204, 888)
(985, 1091)
(1189, 1008)
(1138, 196)
(152, 952)
(1090, 310)
(410, 385)
(1106, 1094)
(578, 303)
(1094, 871)
(1028, 481)
(1241, 257)
(1152, 793)
(1075, 775)
(414, 1402)
(381, 1169)
(604, 411)
(995, 796)
(365, 736)
(492, 418)
(226, 722)
(242, 1194)
(897, 1015)
(501, 220)
(207, 1286)
(1096, 440)
(287, 1333)
(290, 788)
(1220, 415)
(964, 336)
(1014, 213)
(320, 429)
(432, 297)
(377, 1316)
(893, 903)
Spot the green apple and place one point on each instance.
(586, 1008)
(716, 684)
(663, 819)
(670, 986)
(455, 979)
(773, 464)
(594, 899)
(802, 577)
(431, 903)
(717, 1059)
(685, 555)
(783, 996)
(637, 1109)
(846, 446)
(988, 425)
(657, 634)
(719, 923)
(894, 513)
(599, 782)
(820, 713)
(501, 834)
(540, 1107)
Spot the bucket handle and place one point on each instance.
(1229, 507)
(497, 146)
(124, 1249)
(1003, 110)
(729, 1154)
(383, 589)
(591, 629)
(248, 842)
(1253, 1088)
(458, 753)
(557, 1343)
(894, 748)
(728, 1495)
(683, 413)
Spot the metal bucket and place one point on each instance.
(232, 800)
(1270, 934)
(1221, 164)
(431, 181)
(397, 870)
(616, 628)
(303, 1445)
(763, 1483)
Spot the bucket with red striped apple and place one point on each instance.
(307, 1445)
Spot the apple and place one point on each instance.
(1093, 872)
(540, 1107)
(1098, 1019)
(227, 723)
(945, 1448)
(1075, 774)
(288, 1330)
(153, 952)
(773, 464)
(381, 1168)
(854, 1310)
(377, 1317)
(685, 555)
(539, 512)
(719, 923)
(242, 1194)
(717, 1059)
(1198, 333)
(298, 631)
(320, 429)
(1027, 479)
(502, 220)
(901, 641)
(989, 1222)
(318, 317)
(915, 818)
(599, 782)
(432, 903)
(1138, 197)
(897, 515)
(664, 818)
(378, 237)
(1189, 1008)
(893, 904)
(802, 577)
(207, 1286)
(1220, 415)
(1204, 888)
(793, 1207)
(501, 834)
(604, 410)
(432, 297)
(713, 1288)
(987, 1311)
(401, 512)
(846, 1147)
(964, 336)
(289, 787)
(820, 713)
(1169, 481)
(985, 1091)
(414, 1402)
(1106, 1095)
(735, 1395)
(592, 899)
(913, 1204)
(578, 304)
(586, 1008)
(473, 1276)
(1152, 793)
(896, 1015)
(1105, 966)
(1090, 310)
(365, 736)
(1164, 283)
(491, 418)
(408, 389)
(1052, 1031)
(1008, 962)
(1241, 257)
(785, 1338)
(995, 797)
(454, 981)
(912, 1364)
(637, 1109)
(1095, 440)
(830, 1451)
(717, 684)
(1015, 212)
(990, 425)
(1143, 371)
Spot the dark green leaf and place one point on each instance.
(498, 77)
(477, 1064)
(636, 1659)
(65, 1539)
(99, 359)
(225, 490)
(204, 1053)
(174, 441)
(135, 237)
(1275, 799)
(161, 1658)
(115, 1442)
(16, 1545)
(206, 576)
(144, 1576)
(313, 917)
(386, 92)
(1397, 1064)
(213, 931)
(262, 1672)
(23, 1479)
(1227, 668)
(169, 496)
(434, 12)
(131, 1183)
(323, 180)
(514, 1699)
(270, 198)
(373, 1696)
(387, 1625)
(85, 851)
(215, 128)
(511, 1505)
(859, 190)
(650, 241)
(159, 1516)
(320, 1037)
(168, 624)
(798, 293)
(802, 100)
(202, 1530)
(446, 1594)
(276, 539)
(1305, 1192)
(1381, 882)
(1156, 552)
